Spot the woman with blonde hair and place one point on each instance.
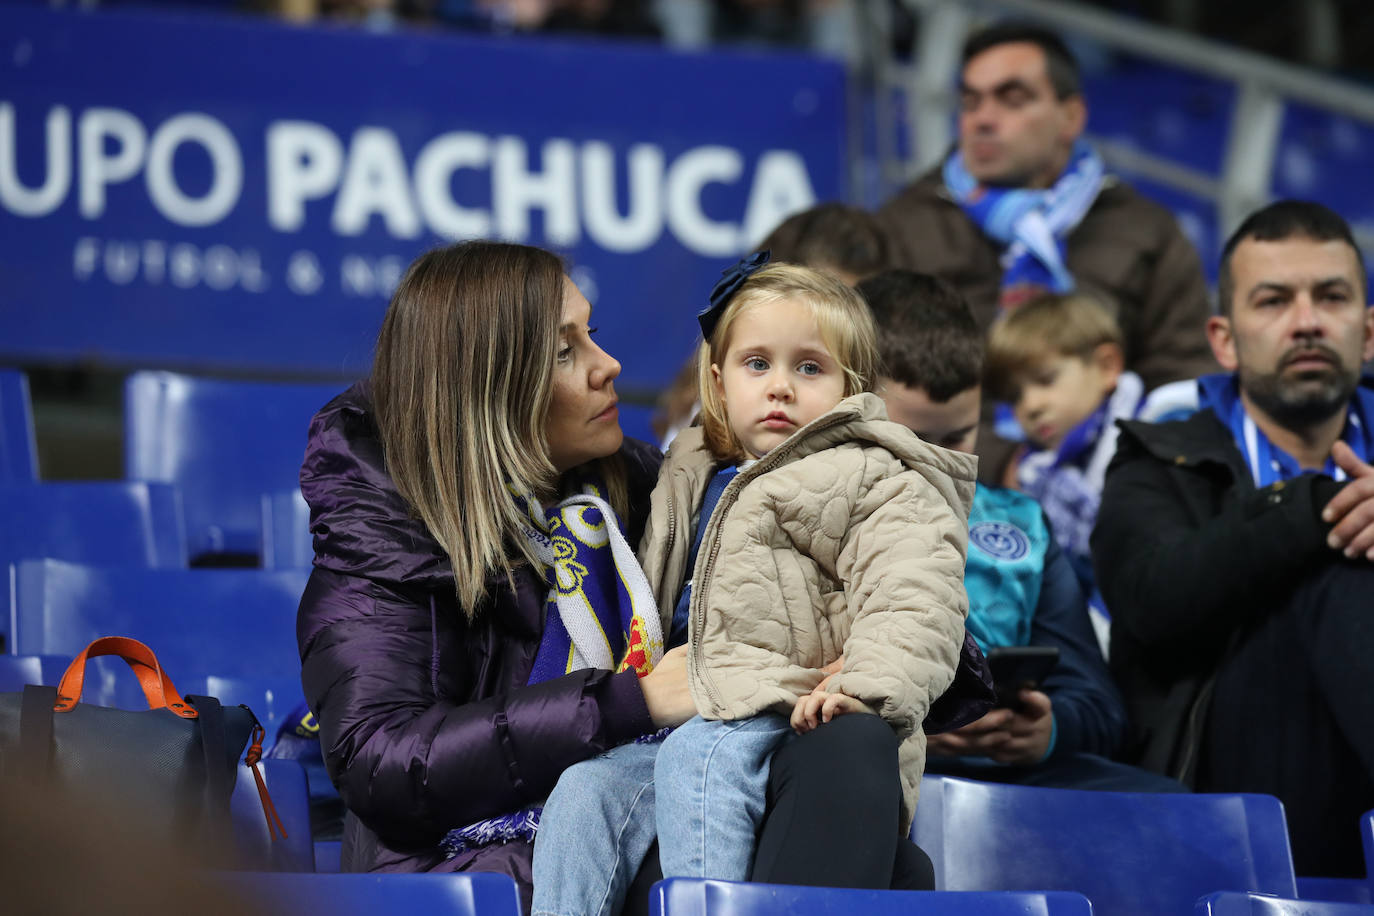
(475, 622)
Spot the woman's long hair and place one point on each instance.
(461, 386)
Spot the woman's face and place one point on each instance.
(583, 422)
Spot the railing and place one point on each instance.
(1264, 86)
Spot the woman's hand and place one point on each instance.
(665, 690)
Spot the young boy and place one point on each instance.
(1058, 361)
(1022, 590)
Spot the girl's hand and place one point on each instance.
(665, 690)
(820, 706)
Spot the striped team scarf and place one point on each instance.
(1031, 225)
(600, 613)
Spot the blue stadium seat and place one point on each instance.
(1127, 852)
(473, 894)
(224, 443)
(104, 522)
(328, 854)
(635, 422)
(286, 539)
(696, 897)
(285, 781)
(1235, 903)
(226, 622)
(18, 446)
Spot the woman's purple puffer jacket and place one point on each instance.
(426, 721)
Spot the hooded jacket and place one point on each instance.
(426, 721)
(848, 538)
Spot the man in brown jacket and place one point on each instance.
(968, 221)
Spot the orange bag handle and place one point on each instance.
(157, 686)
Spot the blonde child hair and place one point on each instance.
(1071, 324)
(846, 326)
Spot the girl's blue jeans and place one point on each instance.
(700, 792)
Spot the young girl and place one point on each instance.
(795, 530)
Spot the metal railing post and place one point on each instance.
(1251, 146)
(930, 101)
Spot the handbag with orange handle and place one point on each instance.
(173, 763)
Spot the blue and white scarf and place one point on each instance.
(1267, 462)
(600, 613)
(1031, 225)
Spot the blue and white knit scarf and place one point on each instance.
(1030, 224)
(600, 614)
(1267, 462)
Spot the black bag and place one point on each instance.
(174, 763)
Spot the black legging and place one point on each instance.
(834, 799)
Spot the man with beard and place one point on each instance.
(1233, 548)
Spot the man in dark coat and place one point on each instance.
(971, 222)
(1234, 547)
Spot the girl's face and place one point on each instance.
(777, 374)
(583, 422)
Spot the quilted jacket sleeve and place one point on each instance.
(902, 564)
(412, 764)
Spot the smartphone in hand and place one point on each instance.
(1017, 668)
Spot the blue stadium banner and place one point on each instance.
(240, 194)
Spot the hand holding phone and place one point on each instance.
(1017, 668)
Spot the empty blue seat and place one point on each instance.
(102, 522)
(696, 897)
(224, 443)
(199, 622)
(1133, 853)
(18, 446)
(286, 539)
(253, 843)
(1235, 903)
(473, 894)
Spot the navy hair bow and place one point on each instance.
(731, 279)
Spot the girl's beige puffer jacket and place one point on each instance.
(847, 539)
